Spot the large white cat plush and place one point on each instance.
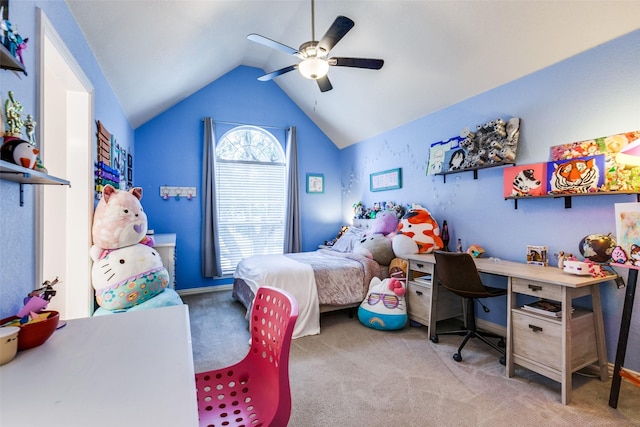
(128, 276)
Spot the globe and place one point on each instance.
(597, 247)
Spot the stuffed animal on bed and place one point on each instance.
(417, 233)
(385, 223)
(128, 276)
(376, 247)
(384, 307)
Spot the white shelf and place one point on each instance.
(15, 173)
(8, 61)
(21, 175)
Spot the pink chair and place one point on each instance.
(255, 391)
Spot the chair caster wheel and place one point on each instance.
(434, 339)
(503, 360)
(457, 357)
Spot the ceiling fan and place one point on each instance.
(314, 54)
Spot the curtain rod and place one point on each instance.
(246, 124)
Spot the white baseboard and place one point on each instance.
(205, 289)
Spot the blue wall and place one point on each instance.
(169, 152)
(17, 247)
(593, 94)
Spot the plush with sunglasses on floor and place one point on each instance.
(384, 307)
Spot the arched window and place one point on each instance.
(251, 191)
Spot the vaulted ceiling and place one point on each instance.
(156, 53)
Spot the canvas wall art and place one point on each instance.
(525, 180)
(579, 175)
(617, 177)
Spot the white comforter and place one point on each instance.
(303, 288)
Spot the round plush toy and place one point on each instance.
(128, 276)
(417, 233)
(384, 306)
(118, 220)
(20, 152)
(376, 247)
(385, 222)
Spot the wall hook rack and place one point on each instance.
(177, 192)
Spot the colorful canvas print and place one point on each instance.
(579, 175)
(627, 234)
(525, 180)
(618, 177)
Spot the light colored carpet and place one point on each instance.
(351, 375)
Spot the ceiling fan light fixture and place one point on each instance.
(313, 68)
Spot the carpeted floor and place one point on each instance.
(351, 375)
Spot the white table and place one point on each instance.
(129, 369)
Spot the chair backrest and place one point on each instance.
(273, 317)
(458, 273)
(254, 391)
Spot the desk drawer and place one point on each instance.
(540, 339)
(419, 302)
(537, 339)
(422, 266)
(537, 289)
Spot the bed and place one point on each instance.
(322, 280)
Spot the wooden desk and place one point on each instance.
(552, 347)
(129, 369)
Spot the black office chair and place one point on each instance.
(458, 273)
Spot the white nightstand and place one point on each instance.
(165, 244)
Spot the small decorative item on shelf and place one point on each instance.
(537, 255)
(11, 39)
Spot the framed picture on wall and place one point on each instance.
(386, 180)
(315, 183)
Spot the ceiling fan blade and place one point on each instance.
(372, 64)
(277, 73)
(272, 44)
(337, 31)
(324, 84)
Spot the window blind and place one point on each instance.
(251, 205)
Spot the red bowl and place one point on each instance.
(33, 334)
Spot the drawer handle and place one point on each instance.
(420, 265)
(535, 328)
(418, 292)
(535, 287)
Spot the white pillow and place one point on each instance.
(346, 242)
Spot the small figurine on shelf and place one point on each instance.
(30, 127)
(13, 111)
(459, 245)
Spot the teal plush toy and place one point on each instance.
(384, 307)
